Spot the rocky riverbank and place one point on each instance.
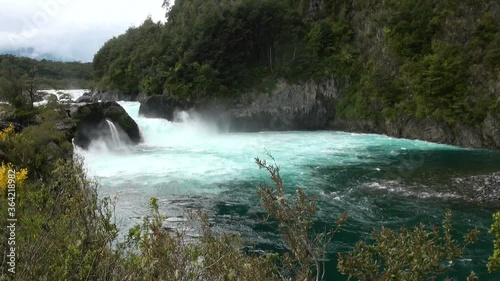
(485, 135)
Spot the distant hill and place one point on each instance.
(50, 73)
(30, 52)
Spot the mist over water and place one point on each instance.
(380, 181)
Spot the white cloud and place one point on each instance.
(70, 29)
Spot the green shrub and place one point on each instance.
(494, 260)
(295, 218)
(63, 231)
(38, 147)
(405, 254)
(152, 253)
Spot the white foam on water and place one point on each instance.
(396, 188)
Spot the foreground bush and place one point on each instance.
(39, 146)
(306, 252)
(151, 253)
(494, 261)
(63, 231)
(406, 254)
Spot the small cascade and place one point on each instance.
(187, 128)
(115, 136)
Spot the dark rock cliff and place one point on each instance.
(484, 135)
(286, 107)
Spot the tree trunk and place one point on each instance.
(271, 58)
(315, 7)
(31, 90)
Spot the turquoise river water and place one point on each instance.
(380, 181)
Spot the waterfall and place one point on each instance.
(115, 136)
(188, 129)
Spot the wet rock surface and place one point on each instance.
(485, 135)
(161, 107)
(91, 122)
(308, 106)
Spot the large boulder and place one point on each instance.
(141, 97)
(110, 95)
(64, 96)
(92, 123)
(161, 106)
(40, 96)
(51, 98)
(86, 98)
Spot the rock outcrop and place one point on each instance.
(68, 126)
(91, 122)
(87, 98)
(110, 95)
(286, 107)
(115, 95)
(485, 135)
(40, 96)
(141, 97)
(161, 107)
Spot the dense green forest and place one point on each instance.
(47, 74)
(417, 58)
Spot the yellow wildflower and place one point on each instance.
(19, 176)
(7, 132)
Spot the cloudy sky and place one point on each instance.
(70, 29)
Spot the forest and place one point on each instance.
(47, 74)
(391, 58)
